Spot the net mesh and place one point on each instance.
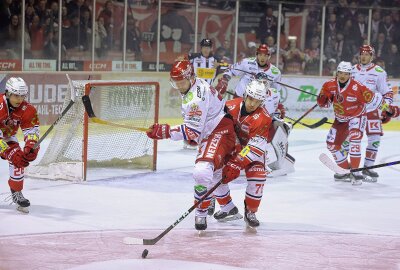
(107, 146)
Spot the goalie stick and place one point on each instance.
(312, 126)
(64, 112)
(153, 241)
(324, 158)
(89, 110)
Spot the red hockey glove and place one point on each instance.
(386, 115)
(222, 85)
(280, 111)
(159, 131)
(15, 155)
(30, 154)
(323, 101)
(231, 171)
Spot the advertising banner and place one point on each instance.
(10, 65)
(40, 65)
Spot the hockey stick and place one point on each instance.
(312, 126)
(283, 84)
(305, 114)
(335, 168)
(153, 241)
(64, 112)
(89, 110)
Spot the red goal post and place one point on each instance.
(79, 144)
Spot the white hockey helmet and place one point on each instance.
(257, 90)
(344, 67)
(16, 86)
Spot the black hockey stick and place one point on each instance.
(64, 112)
(89, 110)
(335, 168)
(153, 241)
(312, 126)
(305, 114)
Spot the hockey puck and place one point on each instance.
(144, 253)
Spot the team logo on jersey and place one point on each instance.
(338, 108)
(187, 98)
(275, 70)
(194, 110)
(378, 69)
(355, 87)
(245, 128)
(367, 96)
(351, 99)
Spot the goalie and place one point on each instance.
(16, 113)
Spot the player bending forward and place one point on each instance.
(351, 101)
(15, 112)
(204, 123)
(252, 124)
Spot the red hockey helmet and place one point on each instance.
(181, 70)
(367, 48)
(263, 48)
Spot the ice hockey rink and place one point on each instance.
(308, 221)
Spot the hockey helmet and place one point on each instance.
(263, 48)
(181, 70)
(367, 48)
(262, 77)
(257, 90)
(16, 86)
(344, 67)
(206, 42)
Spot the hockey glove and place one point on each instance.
(15, 155)
(222, 85)
(231, 171)
(394, 112)
(159, 131)
(30, 154)
(323, 101)
(280, 111)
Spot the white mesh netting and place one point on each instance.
(107, 146)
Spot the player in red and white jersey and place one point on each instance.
(252, 125)
(248, 68)
(17, 113)
(351, 101)
(205, 124)
(375, 78)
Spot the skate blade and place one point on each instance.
(231, 218)
(369, 179)
(24, 210)
(357, 183)
(250, 229)
(132, 241)
(342, 180)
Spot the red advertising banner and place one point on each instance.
(98, 66)
(10, 65)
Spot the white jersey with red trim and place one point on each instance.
(375, 78)
(202, 109)
(272, 101)
(249, 67)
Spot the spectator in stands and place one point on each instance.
(389, 28)
(5, 17)
(133, 38)
(29, 14)
(312, 58)
(381, 47)
(37, 36)
(273, 52)
(226, 46)
(393, 60)
(100, 37)
(268, 25)
(41, 10)
(13, 36)
(330, 27)
(107, 14)
(329, 68)
(350, 11)
(360, 30)
(376, 25)
(293, 58)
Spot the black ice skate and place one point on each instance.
(370, 176)
(21, 201)
(250, 218)
(211, 208)
(357, 179)
(342, 177)
(233, 214)
(200, 223)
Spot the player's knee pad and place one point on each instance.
(355, 135)
(203, 173)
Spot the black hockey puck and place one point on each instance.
(144, 253)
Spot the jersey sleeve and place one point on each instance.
(30, 124)
(277, 79)
(372, 100)
(236, 69)
(384, 88)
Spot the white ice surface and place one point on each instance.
(305, 201)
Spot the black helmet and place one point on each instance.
(206, 43)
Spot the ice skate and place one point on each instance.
(370, 176)
(251, 219)
(211, 208)
(357, 179)
(19, 199)
(342, 177)
(200, 223)
(233, 214)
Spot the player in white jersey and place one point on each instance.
(248, 68)
(375, 78)
(205, 124)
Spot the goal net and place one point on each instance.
(79, 144)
